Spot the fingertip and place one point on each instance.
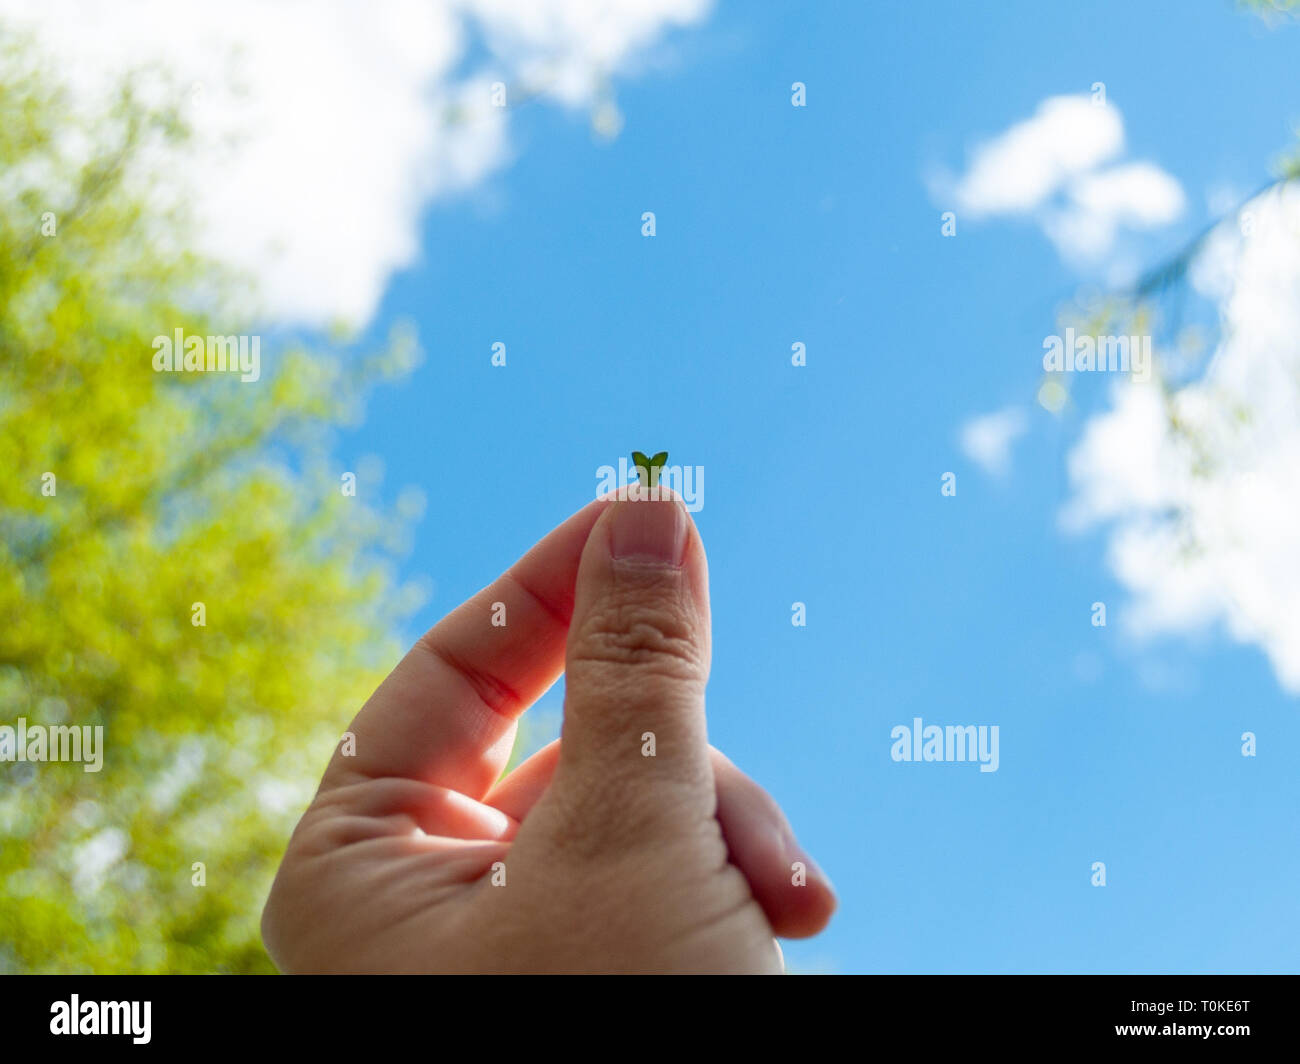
(794, 893)
(805, 910)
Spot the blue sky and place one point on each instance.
(778, 224)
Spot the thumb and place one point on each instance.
(635, 755)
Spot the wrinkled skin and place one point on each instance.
(415, 856)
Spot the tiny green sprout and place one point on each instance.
(647, 469)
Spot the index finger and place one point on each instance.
(446, 714)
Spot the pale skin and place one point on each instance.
(416, 856)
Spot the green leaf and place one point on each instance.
(647, 469)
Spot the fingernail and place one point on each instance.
(649, 530)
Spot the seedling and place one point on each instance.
(647, 469)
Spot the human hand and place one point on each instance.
(415, 856)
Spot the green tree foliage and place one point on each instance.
(169, 490)
(1267, 8)
(1157, 302)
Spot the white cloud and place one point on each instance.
(1019, 169)
(569, 44)
(987, 440)
(326, 128)
(1048, 167)
(1098, 205)
(1136, 194)
(1204, 520)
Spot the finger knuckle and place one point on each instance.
(606, 817)
(651, 635)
